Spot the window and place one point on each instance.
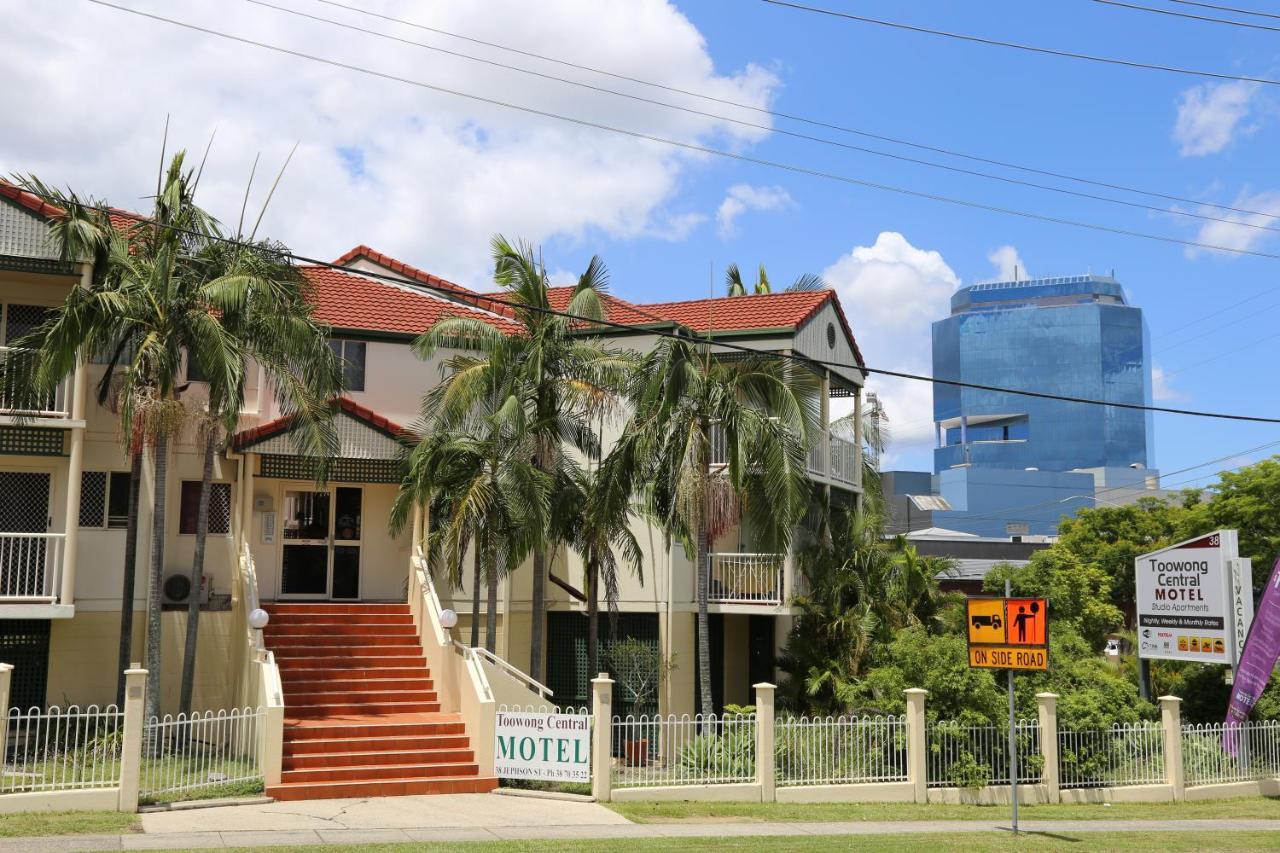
(194, 372)
(22, 320)
(352, 355)
(104, 499)
(219, 507)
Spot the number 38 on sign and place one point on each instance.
(1008, 633)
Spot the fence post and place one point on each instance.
(6, 675)
(764, 741)
(1171, 719)
(1047, 704)
(135, 689)
(917, 749)
(602, 737)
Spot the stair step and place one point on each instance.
(333, 660)
(360, 773)
(330, 608)
(388, 788)
(336, 683)
(347, 629)
(317, 643)
(324, 760)
(333, 709)
(296, 675)
(299, 749)
(314, 618)
(364, 726)
(298, 699)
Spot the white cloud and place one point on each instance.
(891, 292)
(1009, 265)
(1237, 232)
(1210, 115)
(744, 197)
(422, 175)
(1162, 390)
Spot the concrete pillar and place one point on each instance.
(602, 737)
(1171, 720)
(825, 438)
(246, 501)
(271, 748)
(857, 438)
(75, 464)
(1048, 707)
(917, 746)
(135, 689)
(6, 676)
(765, 741)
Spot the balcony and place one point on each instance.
(30, 567)
(844, 457)
(15, 363)
(746, 578)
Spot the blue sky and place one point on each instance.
(427, 177)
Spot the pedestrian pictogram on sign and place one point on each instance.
(1026, 621)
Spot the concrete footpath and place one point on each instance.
(487, 817)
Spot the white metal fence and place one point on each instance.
(1130, 754)
(210, 750)
(30, 566)
(964, 756)
(746, 578)
(18, 367)
(659, 751)
(1206, 761)
(61, 749)
(840, 750)
(844, 460)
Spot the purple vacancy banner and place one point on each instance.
(1261, 649)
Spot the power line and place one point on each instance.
(764, 127)
(1188, 15)
(474, 298)
(1110, 60)
(690, 146)
(1220, 8)
(792, 116)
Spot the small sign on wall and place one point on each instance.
(268, 528)
(552, 747)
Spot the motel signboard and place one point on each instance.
(535, 745)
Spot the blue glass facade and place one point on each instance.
(1074, 336)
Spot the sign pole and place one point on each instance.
(1013, 740)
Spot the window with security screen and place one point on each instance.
(104, 499)
(219, 508)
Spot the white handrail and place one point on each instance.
(59, 406)
(542, 690)
(31, 566)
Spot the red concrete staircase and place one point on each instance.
(362, 718)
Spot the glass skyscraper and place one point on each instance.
(1076, 336)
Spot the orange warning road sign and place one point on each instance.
(1008, 633)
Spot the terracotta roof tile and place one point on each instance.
(351, 301)
(247, 437)
(409, 271)
(33, 203)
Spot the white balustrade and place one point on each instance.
(31, 566)
(746, 578)
(15, 363)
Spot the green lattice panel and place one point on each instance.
(31, 441)
(340, 470)
(25, 644)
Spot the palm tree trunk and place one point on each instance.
(156, 576)
(703, 570)
(593, 620)
(537, 613)
(197, 572)
(475, 596)
(491, 608)
(130, 575)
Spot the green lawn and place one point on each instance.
(67, 823)
(1248, 807)
(996, 842)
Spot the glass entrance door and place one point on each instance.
(320, 554)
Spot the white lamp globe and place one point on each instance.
(448, 619)
(258, 618)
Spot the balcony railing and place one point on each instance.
(16, 365)
(746, 578)
(844, 457)
(30, 566)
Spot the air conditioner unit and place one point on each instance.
(177, 588)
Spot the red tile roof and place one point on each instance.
(361, 413)
(616, 310)
(351, 301)
(463, 294)
(33, 203)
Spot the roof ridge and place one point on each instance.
(414, 273)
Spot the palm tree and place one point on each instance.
(564, 378)
(153, 300)
(474, 467)
(764, 409)
(736, 287)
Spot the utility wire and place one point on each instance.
(764, 127)
(1110, 60)
(793, 117)
(690, 146)
(472, 298)
(1221, 8)
(1188, 15)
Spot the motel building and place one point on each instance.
(320, 559)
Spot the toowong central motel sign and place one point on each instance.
(535, 745)
(1195, 600)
